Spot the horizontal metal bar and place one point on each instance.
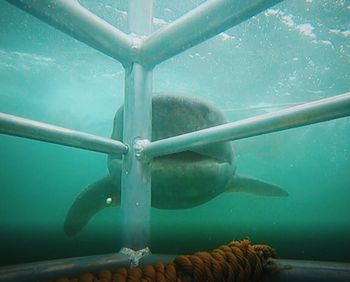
(309, 113)
(285, 270)
(281, 270)
(12, 125)
(203, 22)
(70, 267)
(71, 18)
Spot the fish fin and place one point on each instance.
(254, 186)
(88, 203)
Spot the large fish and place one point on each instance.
(181, 180)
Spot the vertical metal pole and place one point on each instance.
(136, 176)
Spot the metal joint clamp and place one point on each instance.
(135, 256)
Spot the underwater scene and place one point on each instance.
(292, 53)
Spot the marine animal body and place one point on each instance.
(180, 180)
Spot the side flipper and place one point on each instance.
(88, 203)
(254, 186)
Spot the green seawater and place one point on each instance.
(295, 52)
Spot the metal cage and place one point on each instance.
(139, 52)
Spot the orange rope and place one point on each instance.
(237, 261)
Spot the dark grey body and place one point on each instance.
(182, 180)
(186, 179)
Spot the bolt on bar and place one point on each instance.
(12, 125)
(309, 113)
(203, 22)
(71, 18)
(136, 175)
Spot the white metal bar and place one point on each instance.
(136, 176)
(309, 113)
(203, 22)
(70, 17)
(12, 125)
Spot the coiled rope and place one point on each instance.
(237, 261)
